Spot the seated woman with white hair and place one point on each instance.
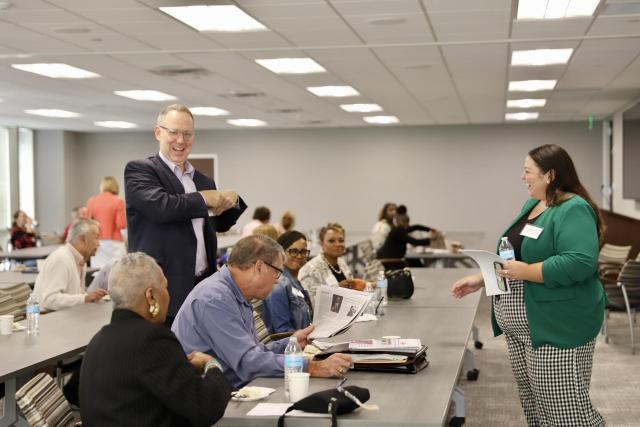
(135, 372)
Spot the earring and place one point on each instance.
(154, 309)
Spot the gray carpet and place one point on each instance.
(615, 386)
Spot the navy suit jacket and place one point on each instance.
(159, 223)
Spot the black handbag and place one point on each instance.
(399, 283)
(335, 401)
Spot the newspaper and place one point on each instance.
(336, 309)
(489, 264)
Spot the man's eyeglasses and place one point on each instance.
(278, 271)
(174, 133)
(300, 253)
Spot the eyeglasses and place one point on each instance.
(278, 271)
(174, 133)
(300, 253)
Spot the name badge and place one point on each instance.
(531, 231)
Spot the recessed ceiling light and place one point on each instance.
(381, 120)
(531, 85)
(521, 116)
(526, 103)
(53, 113)
(539, 57)
(555, 9)
(333, 91)
(145, 95)
(208, 111)
(291, 65)
(56, 71)
(115, 124)
(225, 18)
(361, 108)
(247, 122)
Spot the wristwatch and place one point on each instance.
(212, 363)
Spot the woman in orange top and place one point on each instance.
(108, 209)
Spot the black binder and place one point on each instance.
(416, 361)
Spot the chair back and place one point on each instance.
(43, 404)
(261, 327)
(7, 305)
(613, 254)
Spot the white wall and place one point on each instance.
(628, 207)
(50, 182)
(461, 178)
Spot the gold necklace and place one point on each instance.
(337, 271)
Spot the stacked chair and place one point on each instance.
(628, 297)
(43, 404)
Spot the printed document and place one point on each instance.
(336, 309)
(489, 264)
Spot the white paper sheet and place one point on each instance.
(489, 263)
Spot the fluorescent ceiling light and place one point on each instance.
(333, 91)
(291, 65)
(226, 18)
(115, 124)
(53, 113)
(247, 122)
(521, 116)
(526, 103)
(531, 85)
(555, 9)
(145, 95)
(56, 71)
(539, 57)
(381, 120)
(361, 108)
(208, 111)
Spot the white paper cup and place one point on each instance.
(6, 324)
(298, 385)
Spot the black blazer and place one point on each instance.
(159, 224)
(135, 373)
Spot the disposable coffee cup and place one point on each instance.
(6, 324)
(298, 385)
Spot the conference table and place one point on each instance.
(423, 399)
(38, 252)
(16, 277)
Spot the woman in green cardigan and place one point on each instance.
(555, 309)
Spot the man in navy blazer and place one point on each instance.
(169, 206)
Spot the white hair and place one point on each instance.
(80, 227)
(130, 276)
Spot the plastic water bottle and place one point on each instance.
(382, 284)
(373, 302)
(506, 250)
(293, 362)
(33, 315)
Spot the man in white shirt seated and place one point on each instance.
(61, 280)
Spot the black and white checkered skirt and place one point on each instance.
(553, 382)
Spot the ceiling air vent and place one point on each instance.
(315, 122)
(176, 71)
(240, 94)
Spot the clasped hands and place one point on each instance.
(219, 201)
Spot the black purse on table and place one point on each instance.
(399, 283)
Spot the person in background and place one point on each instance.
(217, 317)
(287, 222)
(288, 307)
(266, 230)
(261, 215)
(61, 281)
(174, 211)
(108, 209)
(134, 371)
(79, 212)
(328, 268)
(395, 245)
(23, 234)
(382, 228)
(555, 309)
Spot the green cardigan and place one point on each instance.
(567, 310)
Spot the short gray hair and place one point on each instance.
(252, 248)
(173, 107)
(80, 227)
(130, 276)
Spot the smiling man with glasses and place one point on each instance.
(217, 317)
(174, 211)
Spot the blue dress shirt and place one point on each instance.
(216, 319)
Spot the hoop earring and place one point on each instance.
(154, 309)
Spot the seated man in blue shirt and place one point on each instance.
(217, 317)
